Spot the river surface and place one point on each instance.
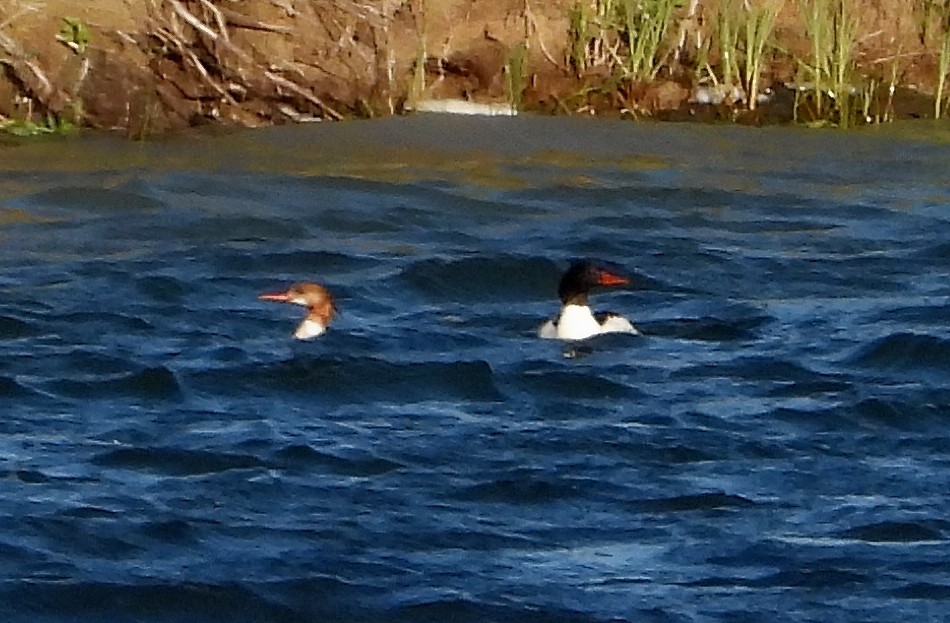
(774, 447)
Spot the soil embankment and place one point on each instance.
(149, 66)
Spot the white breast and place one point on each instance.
(309, 329)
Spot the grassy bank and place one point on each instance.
(148, 67)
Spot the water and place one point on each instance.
(774, 448)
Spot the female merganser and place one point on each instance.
(576, 321)
(317, 300)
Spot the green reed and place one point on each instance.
(626, 36)
(646, 24)
(515, 67)
(942, 13)
(832, 27)
(928, 12)
(743, 34)
(727, 37)
(759, 25)
(578, 36)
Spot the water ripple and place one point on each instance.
(776, 436)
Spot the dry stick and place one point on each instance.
(17, 15)
(126, 37)
(684, 27)
(348, 7)
(196, 23)
(186, 53)
(240, 20)
(537, 31)
(83, 73)
(218, 18)
(279, 80)
(286, 5)
(13, 50)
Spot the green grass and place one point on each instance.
(51, 125)
(75, 34)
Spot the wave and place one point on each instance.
(557, 383)
(707, 329)
(176, 461)
(113, 601)
(151, 383)
(905, 351)
(307, 265)
(763, 368)
(355, 379)
(303, 456)
(13, 328)
(527, 488)
(924, 316)
(484, 279)
(10, 388)
(93, 200)
(696, 502)
(897, 532)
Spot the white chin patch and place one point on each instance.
(299, 301)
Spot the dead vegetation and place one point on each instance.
(198, 43)
(195, 61)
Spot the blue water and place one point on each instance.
(775, 447)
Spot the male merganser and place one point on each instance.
(317, 300)
(576, 321)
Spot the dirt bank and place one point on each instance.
(148, 66)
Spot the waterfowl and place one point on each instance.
(576, 320)
(318, 301)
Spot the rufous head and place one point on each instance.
(318, 301)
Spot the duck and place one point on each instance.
(318, 301)
(576, 320)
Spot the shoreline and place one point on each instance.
(144, 69)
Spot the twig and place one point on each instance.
(186, 53)
(196, 23)
(218, 18)
(222, 39)
(18, 57)
(894, 57)
(15, 16)
(537, 31)
(310, 97)
(286, 5)
(243, 21)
